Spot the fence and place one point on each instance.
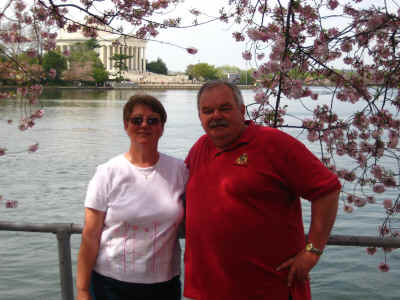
(63, 232)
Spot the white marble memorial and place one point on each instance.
(127, 45)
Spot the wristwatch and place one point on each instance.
(310, 248)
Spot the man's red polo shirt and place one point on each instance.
(243, 215)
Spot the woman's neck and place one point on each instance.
(142, 157)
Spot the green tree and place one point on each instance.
(246, 77)
(157, 66)
(99, 73)
(120, 64)
(85, 63)
(224, 70)
(204, 71)
(189, 71)
(56, 61)
(92, 44)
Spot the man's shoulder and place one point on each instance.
(270, 133)
(199, 147)
(202, 141)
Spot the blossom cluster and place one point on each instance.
(295, 47)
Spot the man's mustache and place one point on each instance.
(218, 123)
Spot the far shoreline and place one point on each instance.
(137, 86)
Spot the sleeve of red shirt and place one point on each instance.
(304, 173)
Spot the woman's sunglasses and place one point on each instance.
(139, 120)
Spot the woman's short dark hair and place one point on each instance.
(142, 99)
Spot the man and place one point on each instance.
(244, 232)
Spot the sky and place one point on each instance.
(213, 41)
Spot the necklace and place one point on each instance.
(146, 172)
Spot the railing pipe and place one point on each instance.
(63, 232)
(65, 265)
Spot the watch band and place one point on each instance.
(310, 248)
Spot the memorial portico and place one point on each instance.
(110, 44)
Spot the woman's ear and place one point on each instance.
(162, 132)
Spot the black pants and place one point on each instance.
(105, 288)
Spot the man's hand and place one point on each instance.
(299, 266)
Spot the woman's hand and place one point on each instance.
(83, 295)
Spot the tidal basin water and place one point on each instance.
(83, 128)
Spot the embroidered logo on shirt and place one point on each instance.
(241, 160)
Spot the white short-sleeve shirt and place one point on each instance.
(143, 213)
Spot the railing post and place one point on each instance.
(65, 265)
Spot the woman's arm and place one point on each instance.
(94, 221)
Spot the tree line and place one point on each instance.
(204, 71)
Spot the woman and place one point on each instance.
(133, 210)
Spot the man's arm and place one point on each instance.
(323, 215)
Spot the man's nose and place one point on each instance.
(217, 114)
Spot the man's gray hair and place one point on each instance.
(237, 94)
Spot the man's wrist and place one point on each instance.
(310, 248)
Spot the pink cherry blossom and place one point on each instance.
(260, 56)
(31, 52)
(260, 97)
(52, 73)
(66, 52)
(238, 36)
(246, 55)
(37, 114)
(379, 188)
(11, 204)
(377, 171)
(195, 12)
(33, 148)
(259, 35)
(191, 50)
(360, 202)
(387, 203)
(383, 230)
(371, 250)
(383, 267)
(346, 46)
(332, 4)
(312, 136)
(348, 208)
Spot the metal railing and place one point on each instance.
(63, 232)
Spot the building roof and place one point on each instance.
(64, 35)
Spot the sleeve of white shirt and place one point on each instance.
(96, 195)
(184, 172)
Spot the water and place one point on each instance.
(82, 129)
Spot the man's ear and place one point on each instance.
(125, 125)
(243, 109)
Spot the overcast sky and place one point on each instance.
(213, 41)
